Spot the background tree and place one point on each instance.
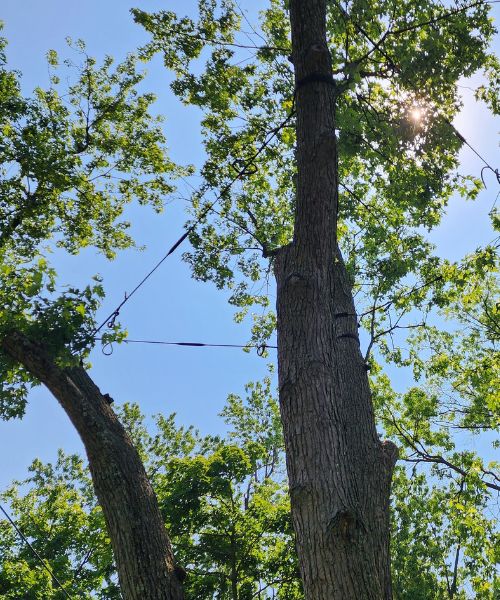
(225, 502)
(58, 512)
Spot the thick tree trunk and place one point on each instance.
(142, 550)
(339, 471)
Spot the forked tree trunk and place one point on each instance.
(142, 550)
(339, 471)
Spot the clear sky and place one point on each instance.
(193, 382)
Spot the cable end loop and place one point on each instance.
(261, 350)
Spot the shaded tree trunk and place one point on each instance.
(142, 550)
(339, 471)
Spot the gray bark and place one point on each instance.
(142, 550)
(339, 471)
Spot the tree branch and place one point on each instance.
(425, 456)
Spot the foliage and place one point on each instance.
(71, 160)
(225, 504)
(55, 508)
(443, 545)
(396, 175)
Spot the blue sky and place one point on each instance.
(193, 382)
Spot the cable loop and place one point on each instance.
(114, 316)
(261, 349)
(107, 349)
(495, 172)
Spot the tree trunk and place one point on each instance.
(142, 550)
(339, 471)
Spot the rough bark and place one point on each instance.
(339, 471)
(142, 550)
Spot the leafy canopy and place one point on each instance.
(225, 503)
(71, 160)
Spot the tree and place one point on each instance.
(341, 118)
(360, 74)
(57, 156)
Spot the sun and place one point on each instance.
(416, 114)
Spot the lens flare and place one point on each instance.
(416, 114)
